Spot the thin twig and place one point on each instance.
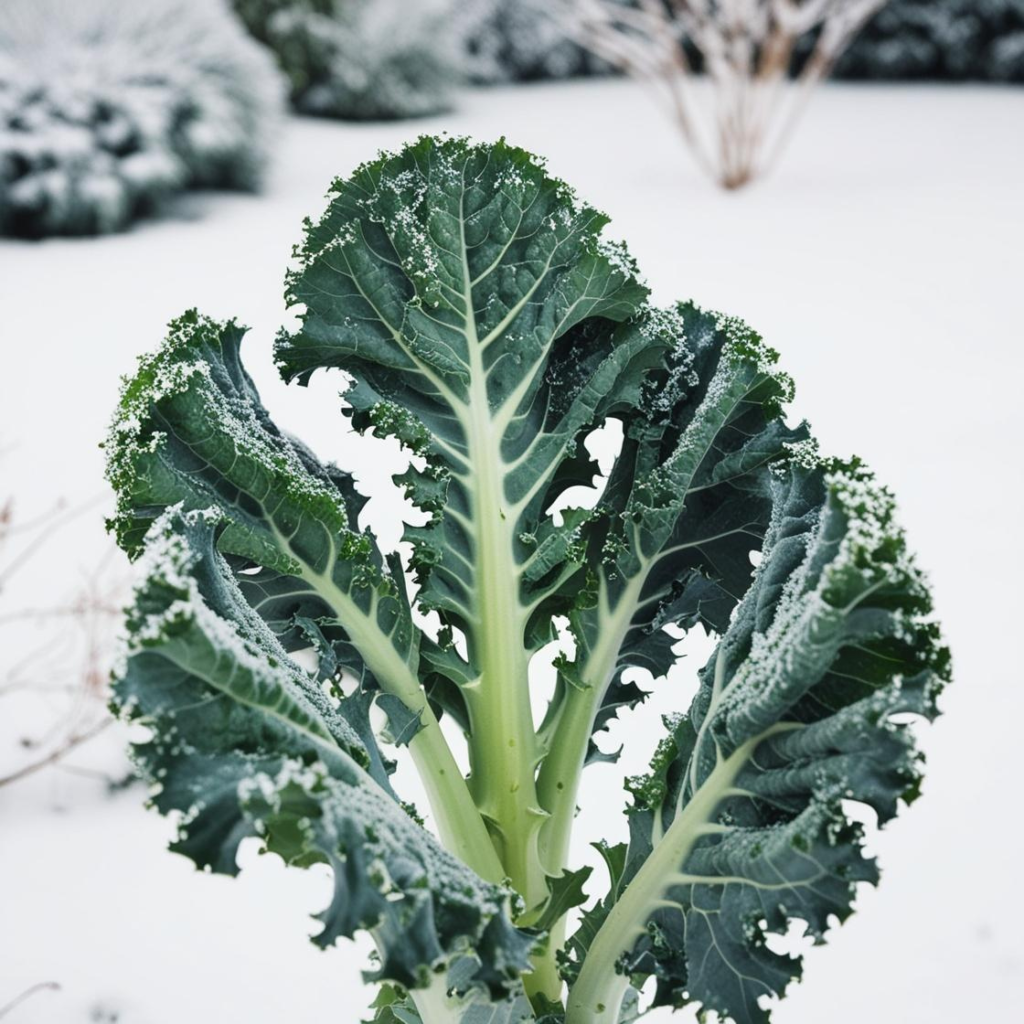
(70, 662)
(42, 986)
(37, 542)
(68, 611)
(62, 751)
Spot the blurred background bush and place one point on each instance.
(527, 41)
(109, 106)
(365, 59)
(946, 40)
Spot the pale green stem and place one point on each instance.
(597, 995)
(545, 979)
(503, 745)
(559, 779)
(459, 823)
(458, 820)
(433, 1005)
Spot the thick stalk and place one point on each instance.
(433, 1005)
(503, 744)
(545, 979)
(596, 997)
(458, 820)
(559, 777)
(461, 828)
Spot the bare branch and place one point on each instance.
(747, 49)
(68, 670)
(62, 751)
(42, 986)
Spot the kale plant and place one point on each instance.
(109, 106)
(478, 317)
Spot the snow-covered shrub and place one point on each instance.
(108, 106)
(366, 59)
(524, 40)
(950, 39)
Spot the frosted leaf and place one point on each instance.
(801, 709)
(244, 743)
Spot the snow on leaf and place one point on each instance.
(740, 827)
(245, 743)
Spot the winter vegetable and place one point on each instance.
(364, 59)
(109, 106)
(479, 318)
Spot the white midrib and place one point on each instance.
(502, 744)
(459, 824)
(561, 771)
(597, 995)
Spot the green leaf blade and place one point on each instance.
(741, 826)
(246, 744)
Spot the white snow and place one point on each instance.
(883, 259)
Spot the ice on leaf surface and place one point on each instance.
(480, 317)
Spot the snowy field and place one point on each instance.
(883, 258)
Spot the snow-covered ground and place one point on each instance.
(883, 258)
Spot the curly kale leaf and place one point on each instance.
(245, 743)
(480, 319)
(291, 571)
(686, 503)
(468, 295)
(191, 431)
(741, 826)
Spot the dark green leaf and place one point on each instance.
(245, 743)
(741, 827)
